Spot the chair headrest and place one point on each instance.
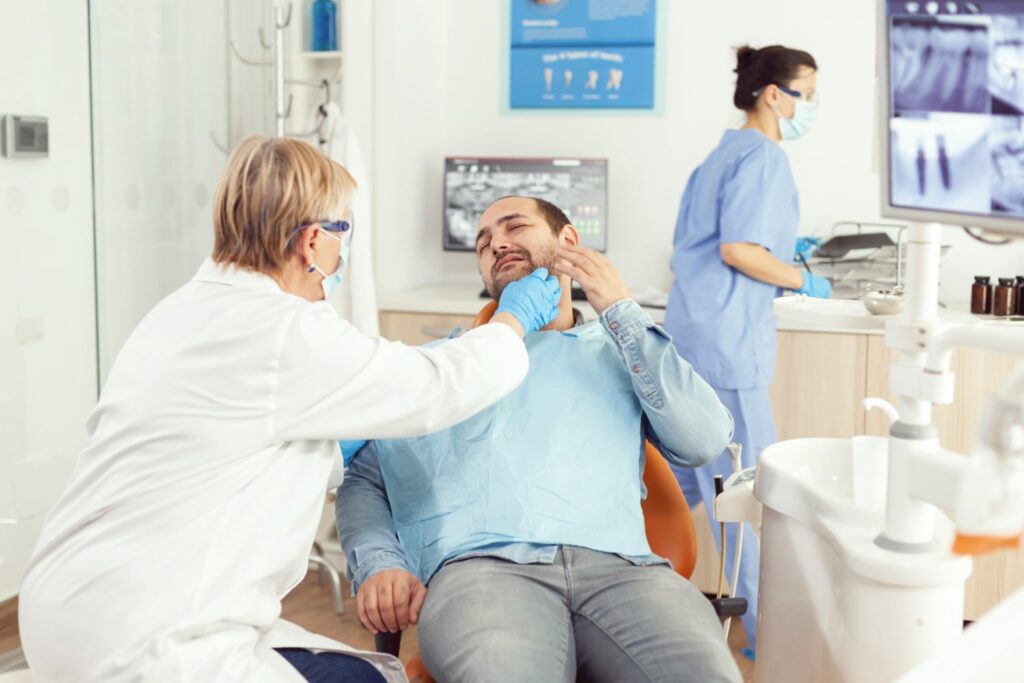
(485, 314)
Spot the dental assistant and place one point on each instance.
(192, 509)
(733, 251)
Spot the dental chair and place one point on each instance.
(670, 529)
(316, 554)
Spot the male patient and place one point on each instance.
(525, 519)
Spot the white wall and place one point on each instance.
(47, 333)
(439, 91)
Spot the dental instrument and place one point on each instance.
(735, 451)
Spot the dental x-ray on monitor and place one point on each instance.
(952, 77)
(577, 186)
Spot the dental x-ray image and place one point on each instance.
(1006, 66)
(1008, 164)
(940, 65)
(577, 186)
(470, 191)
(942, 162)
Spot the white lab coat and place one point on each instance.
(190, 514)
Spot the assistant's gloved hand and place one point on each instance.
(806, 246)
(816, 286)
(533, 301)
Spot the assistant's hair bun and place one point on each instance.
(744, 57)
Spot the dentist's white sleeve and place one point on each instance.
(334, 382)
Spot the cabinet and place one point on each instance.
(820, 380)
(420, 328)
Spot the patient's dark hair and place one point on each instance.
(755, 69)
(553, 216)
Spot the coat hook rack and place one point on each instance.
(280, 19)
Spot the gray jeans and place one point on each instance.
(590, 616)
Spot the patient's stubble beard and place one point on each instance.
(501, 279)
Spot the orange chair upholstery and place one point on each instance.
(485, 314)
(416, 671)
(671, 532)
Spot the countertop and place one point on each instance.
(464, 299)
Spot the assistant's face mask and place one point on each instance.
(804, 115)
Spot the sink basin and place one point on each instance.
(833, 604)
(811, 479)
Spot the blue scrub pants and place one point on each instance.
(754, 429)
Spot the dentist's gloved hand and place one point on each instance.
(533, 301)
(815, 286)
(806, 246)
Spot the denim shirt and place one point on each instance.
(681, 416)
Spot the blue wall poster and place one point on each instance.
(582, 54)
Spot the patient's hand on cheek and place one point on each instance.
(596, 275)
(390, 601)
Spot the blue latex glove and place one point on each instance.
(533, 301)
(806, 246)
(349, 449)
(816, 286)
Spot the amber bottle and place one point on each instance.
(981, 295)
(1005, 300)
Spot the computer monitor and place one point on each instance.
(577, 186)
(952, 76)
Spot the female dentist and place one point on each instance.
(191, 511)
(733, 248)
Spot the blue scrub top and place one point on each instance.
(720, 319)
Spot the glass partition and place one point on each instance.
(159, 90)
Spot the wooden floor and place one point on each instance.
(310, 606)
(9, 625)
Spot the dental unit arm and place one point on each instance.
(984, 494)
(864, 543)
(988, 509)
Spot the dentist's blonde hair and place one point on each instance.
(270, 187)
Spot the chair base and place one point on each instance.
(316, 556)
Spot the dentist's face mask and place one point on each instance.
(342, 232)
(805, 113)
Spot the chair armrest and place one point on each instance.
(729, 607)
(391, 643)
